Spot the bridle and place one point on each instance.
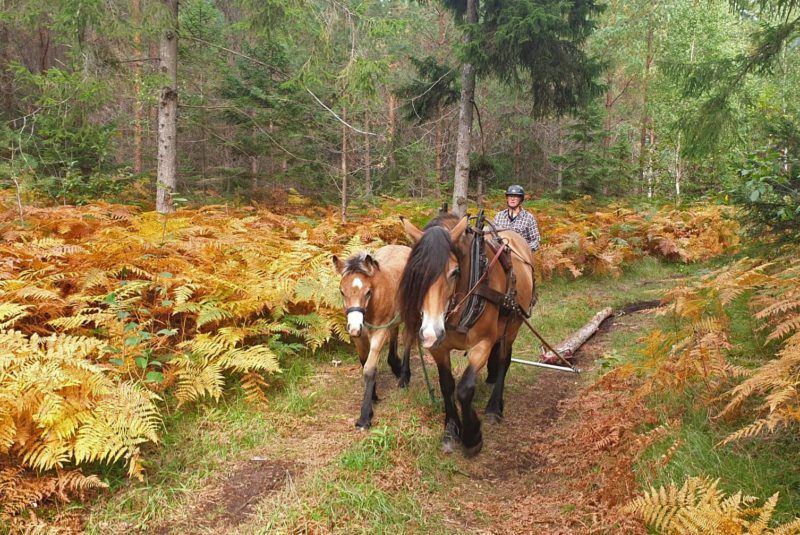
(363, 310)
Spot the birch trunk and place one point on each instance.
(573, 342)
(645, 114)
(344, 167)
(138, 106)
(438, 147)
(392, 126)
(367, 159)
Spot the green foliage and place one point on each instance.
(59, 141)
(537, 44)
(435, 87)
(593, 166)
(769, 182)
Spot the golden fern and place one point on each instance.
(110, 310)
(700, 507)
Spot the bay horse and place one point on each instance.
(369, 291)
(436, 277)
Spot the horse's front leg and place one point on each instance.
(452, 429)
(373, 348)
(470, 424)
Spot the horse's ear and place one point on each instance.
(411, 229)
(371, 263)
(338, 264)
(458, 230)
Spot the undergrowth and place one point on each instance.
(111, 318)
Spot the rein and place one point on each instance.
(394, 321)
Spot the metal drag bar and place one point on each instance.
(543, 365)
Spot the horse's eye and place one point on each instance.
(456, 272)
(369, 294)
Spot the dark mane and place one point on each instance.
(355, 264)
(426, 263)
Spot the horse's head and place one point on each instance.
(356, 287)
(431, 277)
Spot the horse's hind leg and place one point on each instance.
(494, 407)
(405, 367)
(493, 364)
(394, 361)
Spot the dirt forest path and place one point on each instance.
(520, 483)
(524, 484)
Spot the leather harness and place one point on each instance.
(479, 290)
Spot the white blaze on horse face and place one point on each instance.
(355, 322)
(431, 328)
(434, 308)
(357, 283)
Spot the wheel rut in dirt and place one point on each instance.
(230, 502)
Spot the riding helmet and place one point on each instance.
(515, 190)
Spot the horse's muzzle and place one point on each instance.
(354, 332)
(431, 340)
(355, 321)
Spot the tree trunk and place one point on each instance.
(392, 127)
(344, 166)
(607, 118)
(138, 105)
(254, 168)
(438, 144)
(560, 166)
(367, 159)
(573, 342)
(645, 87)
(678, 168)
(166, 182)
(464, 144)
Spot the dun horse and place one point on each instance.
(369, 289)
(433, 289)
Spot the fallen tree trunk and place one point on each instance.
(573, 342)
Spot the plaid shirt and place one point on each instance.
(524, 224)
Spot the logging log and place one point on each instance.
(573, 342)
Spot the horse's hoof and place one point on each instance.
(473, 450)
(450, 440)
(362, 426)
(403, 382)
(493, 418)
(449, 445)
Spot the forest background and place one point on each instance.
(347, 101)
(299, 105)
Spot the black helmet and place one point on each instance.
(515, 190)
